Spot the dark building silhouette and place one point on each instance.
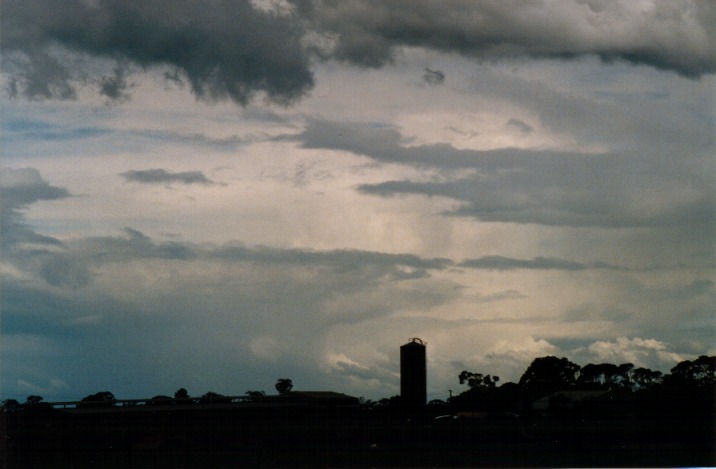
(413, 373)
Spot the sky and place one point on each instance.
(215, 195)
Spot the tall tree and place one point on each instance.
(284, 385)
(643, 379)
(697, 373)
(549, 374)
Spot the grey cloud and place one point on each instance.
(501, 296)
(665, 126)
(547, 199)
(537, 263)
(396, 266)
(433, 77)
(520, 125)
(672, 36)
(115, 87)
(41, 75)
(229, 49)
(506, 263)
(224, 49)
(73, 264)
(138, 297)
(531, 186)
(162, 176)
(136, 245)
(20, 188)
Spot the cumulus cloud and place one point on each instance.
(162, 176)
(224, 49)
(666, 35)
(648, 353)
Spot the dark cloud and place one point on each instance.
(20, 188)
(230, 307)
(394, 266)
(433, 77)
(230, 49)
(665, 35)
(224, 49)
(546, 198)
(538, 263)
(506, 263)
(162, 176)
(533, 186)
(115, 87)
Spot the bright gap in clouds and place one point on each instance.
(218, 227)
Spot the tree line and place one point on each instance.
(544, 375)
(596, 415)
(107, 398)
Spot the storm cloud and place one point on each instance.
(666, 35)
(212, 195)
(234, 49)
(224, 49)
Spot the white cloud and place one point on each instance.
(648, 353)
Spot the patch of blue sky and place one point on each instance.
(25, 125)
(26, 129)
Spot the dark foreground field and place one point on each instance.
(260, 436)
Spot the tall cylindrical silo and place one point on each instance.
(413, 373)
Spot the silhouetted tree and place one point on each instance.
(284, 385)
(477, 380)
(160, 399)
(697, 373)
(103, 398)
(549, 374)
(181, 394)
(643, 379)
(255, 395)
(212, 396)
(33, 400)
(390, 401)
(10, 406)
